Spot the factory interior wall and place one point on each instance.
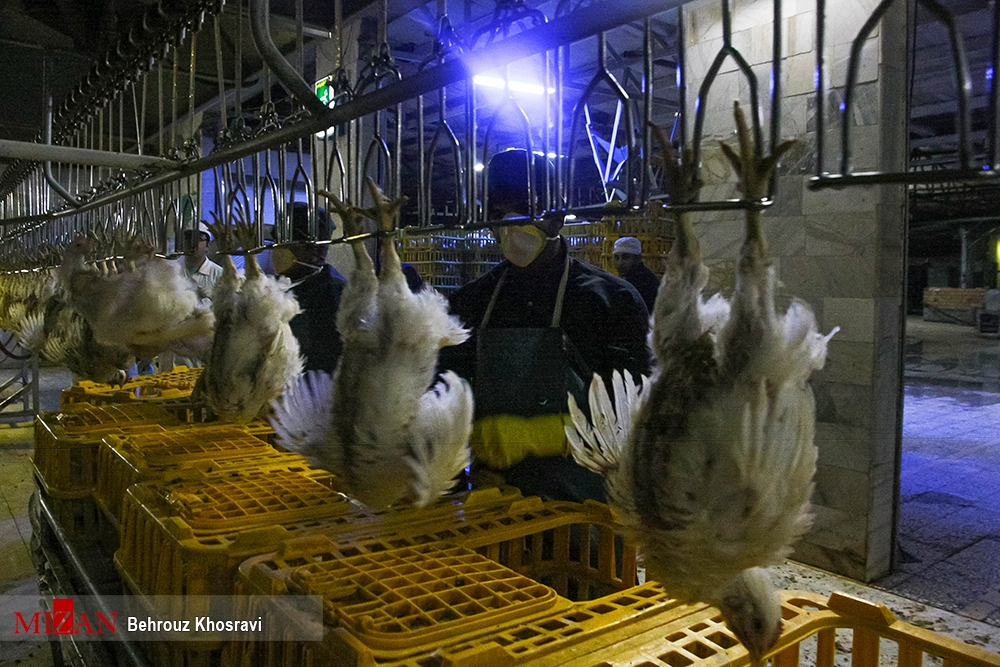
(842, 251)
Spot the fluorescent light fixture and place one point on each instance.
(519, 86)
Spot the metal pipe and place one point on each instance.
(909, 178)
(47, 164)
(27, 150)
(260, 28)
(820, 85)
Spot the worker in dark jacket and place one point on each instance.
(317, 286)
(542, 323)
(627, 257)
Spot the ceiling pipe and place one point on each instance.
(47, 165)
(260, 28)
(29, 150)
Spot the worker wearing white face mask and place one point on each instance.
(542, 323)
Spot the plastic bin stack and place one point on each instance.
(486, 578)
(437, 256)
(65, 457)
(561, 566)
(172, 390)
(124, 460)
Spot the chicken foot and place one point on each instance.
(753, 301)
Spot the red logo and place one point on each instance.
(63, 620)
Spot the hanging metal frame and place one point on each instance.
(106, 199)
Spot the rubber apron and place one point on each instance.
(522, 378)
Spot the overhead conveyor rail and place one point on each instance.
(422, 130)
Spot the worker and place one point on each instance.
(627, 256)
(542, 323)
(317, 286)
(202, 271)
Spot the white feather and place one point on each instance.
(439, 438)
(254, 353)
(300, 417)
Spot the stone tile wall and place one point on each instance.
(840, 250)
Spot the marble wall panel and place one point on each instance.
(849, 363)
(839, 234)
(844, 404)
(799, 33)
(838, 488)
(856, 200)
(855, 317)
(822, 276)
(844, 446)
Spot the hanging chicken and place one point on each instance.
(54, 331)
(714, 478)
(254, 354)
(148, 308)
(376, 425)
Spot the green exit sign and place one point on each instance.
(324, 90)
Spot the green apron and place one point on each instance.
(527, 371)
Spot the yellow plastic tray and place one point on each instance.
(188, 535)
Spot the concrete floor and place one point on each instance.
(948, 578)
(949, 514)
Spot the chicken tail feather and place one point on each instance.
(440, 444)
(301, 416)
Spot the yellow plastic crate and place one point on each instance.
(66, 442)
(188, 535)
(420, 596)
(177, 383)
(840, 630)
(564, 547)
(124, 460)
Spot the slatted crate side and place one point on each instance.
(65, 461)
(547, 543)
(585, 240)
(840, 630)
(188, 535)
(122, 463)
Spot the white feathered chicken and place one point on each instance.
(148, 308)
(376, 425)
(254, 353)
(713, 478)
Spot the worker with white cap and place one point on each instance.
(627, 257)
(200, 269)
(204, 273)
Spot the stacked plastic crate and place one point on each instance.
(436, 255)
(65, 456)
(539, 584)
(172, 390)
(585, 240)
(186, 535)
(506, 585)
